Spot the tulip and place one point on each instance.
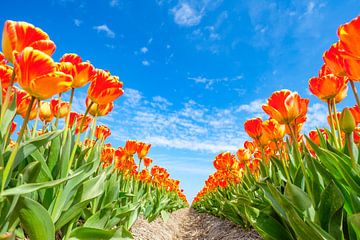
(5, 75)
(19, 35)
(22, 102)
(131, 147)
(59, 107)
(243, 154)
(327, 87)
(102, 132)
(253, 127)
(349, 36)
(3, 61)
(107, 155)
(46, 115)
(273, 129)
(347, 121)
(357, 135)
(334, 60)
(355, 111)
(80, 120)
(82, 72)
(99, 110)
(104, 88)
(285, 106)
(147, 161)
(143, 149)
(36, 73)
(314, 135)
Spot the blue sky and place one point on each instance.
(193, 70)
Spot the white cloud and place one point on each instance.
(77, 22)
(316, 117)
(145, 63)
(144, 50)
(254, 107)
(186, 15)
(160, 102)
(104, 28)
(209, 82)
(114, 3)
(310, 7)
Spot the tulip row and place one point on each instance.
(62, 181)
(288, 185)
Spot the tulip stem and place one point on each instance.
(332, 126)
(68, 116)
(283, 162)
(17, 144)
(355, 93)
(302, 165)
(78, 137)
(36, 119)
(58, 111)
(337, 123)
(7, 96)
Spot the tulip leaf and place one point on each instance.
(85, 233)
(31, 187)
(35, 220)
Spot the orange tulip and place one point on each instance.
(36, 73)
(3, 61)
(46, 114)
(13, 127)
(60, 106)
(250, 146)
(22, 103)
(327, 87)
(350, 37)
(243, 154)
(79, 118)
(143, 149)
(285, 106)
(82, 72)
(334, 60)
(5, 75)
(357, 135)
(273, 129)
(19, 35)
(314, 136)
(356, 113)
(99, 110)
(147, 161)
(104, 88)
(253, 127)
(338, 114)
(131, 147)
(352, 68)
(107, 154)
(102, 132)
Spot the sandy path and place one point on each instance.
(190, 225)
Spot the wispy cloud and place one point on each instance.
(186, 15)
(114, 3)
(77, 22)
(105, 29)
(145, 62)
(210, 82)
(144, 50)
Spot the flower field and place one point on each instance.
(288, 184)
(59, 178)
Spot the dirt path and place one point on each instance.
(187, 224)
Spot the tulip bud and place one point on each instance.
(347, 121)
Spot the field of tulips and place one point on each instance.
(290, 185)
(58, 177)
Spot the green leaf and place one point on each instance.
(35, 220)
(31, 187)
(165, 215)
(297, 197)
(88, 190)
(330, 210)
(8, 117)
(85, 233)
(25, 149)
(31, 172)
(354, 220)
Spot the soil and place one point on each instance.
(190, 225)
